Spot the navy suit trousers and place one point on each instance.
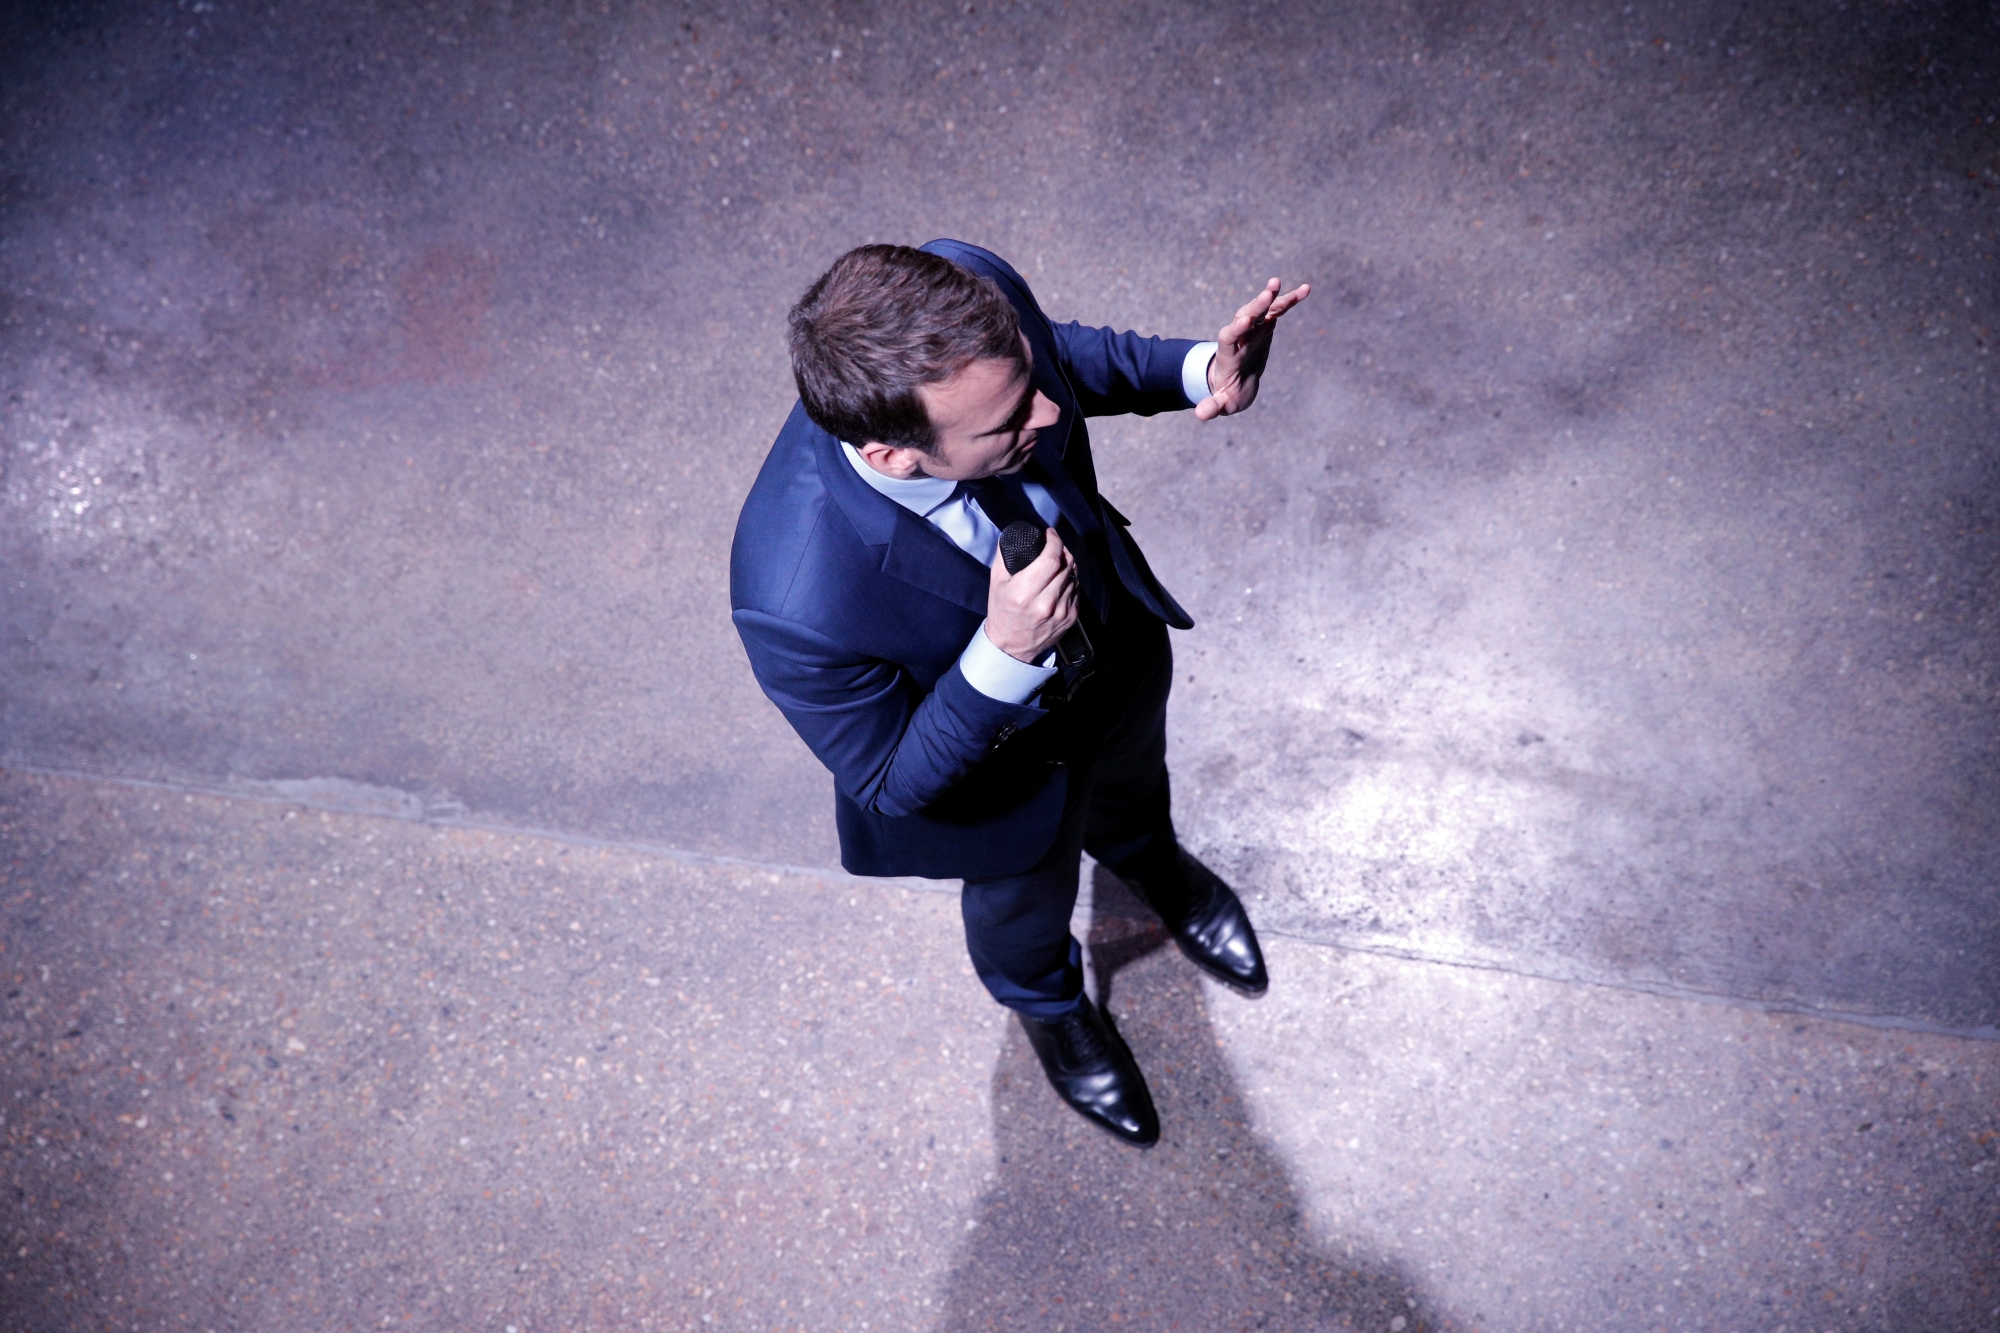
(1118, 809)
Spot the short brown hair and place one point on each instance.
(882, 322)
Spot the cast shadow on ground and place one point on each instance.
(1079, 1232)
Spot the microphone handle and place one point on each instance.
(1020, 542)
(1073, 649)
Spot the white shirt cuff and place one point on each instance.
(998, 676)
(1194, 372)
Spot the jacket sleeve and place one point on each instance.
(891, 747)
(1116, 372)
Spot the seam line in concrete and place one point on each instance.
(1660, 989)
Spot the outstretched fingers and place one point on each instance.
(1248, 316)
(1262, 311)
(1288, 300)
(1243, 344)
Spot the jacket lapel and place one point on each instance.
(923, 557)
(909, 549)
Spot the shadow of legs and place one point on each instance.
(1203, 1232)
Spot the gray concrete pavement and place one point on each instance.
(269, 1068)
(1597, 614)
(1602, 587)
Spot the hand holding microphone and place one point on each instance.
(1032, 602)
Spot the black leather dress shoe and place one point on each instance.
(1091, 1069)
(1209, 924)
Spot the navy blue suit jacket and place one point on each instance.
(854, 612)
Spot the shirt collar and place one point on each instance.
(919, 495)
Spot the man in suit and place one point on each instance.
(938, 404)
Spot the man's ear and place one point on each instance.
(898, 461)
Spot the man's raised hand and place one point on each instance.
(1027, 612)
(1242, 348)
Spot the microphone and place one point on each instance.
(1020, 542)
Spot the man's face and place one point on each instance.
(985, 417)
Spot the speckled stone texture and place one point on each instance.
(1597, 645)
(1601, 588)
(271, 1069)
(268, 1068)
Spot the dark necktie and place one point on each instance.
(1002, 499)
(1004, 502)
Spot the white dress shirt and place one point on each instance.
(939, 502)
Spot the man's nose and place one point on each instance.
(1044, 412)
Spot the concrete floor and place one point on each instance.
(272, 1068)
(1597, 656)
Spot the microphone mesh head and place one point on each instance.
(1020, 542)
